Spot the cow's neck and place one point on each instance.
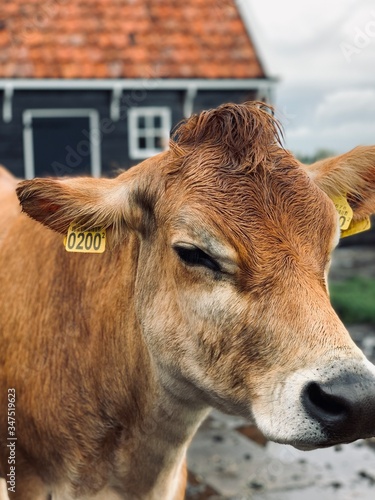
(159, 445)
(151, 452)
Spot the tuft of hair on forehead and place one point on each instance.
(243, 133)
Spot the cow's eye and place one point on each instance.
(194, 256)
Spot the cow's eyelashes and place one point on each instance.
(194, 256)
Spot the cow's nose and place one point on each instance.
(344, 406)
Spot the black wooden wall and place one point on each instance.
(114, 136)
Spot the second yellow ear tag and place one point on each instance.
(85, 241)
(347, 225)
(344, 210)
(357, 227)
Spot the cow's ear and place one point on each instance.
(121, 204)
(352, 175)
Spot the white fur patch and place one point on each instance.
(279, 412)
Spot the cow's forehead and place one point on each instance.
(261, 207)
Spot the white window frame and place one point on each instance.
(28, 140)
(149, 132)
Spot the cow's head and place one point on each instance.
(234, 239)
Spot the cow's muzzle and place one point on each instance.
(343, 406)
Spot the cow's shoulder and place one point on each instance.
(10, 208)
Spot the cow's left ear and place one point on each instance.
(352, 175)
(121, 204)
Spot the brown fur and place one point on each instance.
(116, 358)
(351, 173)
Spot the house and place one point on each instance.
(89, 87)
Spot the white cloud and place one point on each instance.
(347, 106)
(299, 132)
(335, 137)
(324, 53)
(304, 40)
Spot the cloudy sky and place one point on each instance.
(323, 51)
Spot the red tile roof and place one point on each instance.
(125, 39)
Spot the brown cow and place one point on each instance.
(212, 292)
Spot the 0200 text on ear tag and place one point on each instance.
(344, 210)
(78, 241)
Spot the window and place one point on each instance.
(148, 131)
(60, 142)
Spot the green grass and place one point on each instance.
(354, 300)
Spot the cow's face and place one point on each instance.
(235, 240)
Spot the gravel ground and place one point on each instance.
(230, 459)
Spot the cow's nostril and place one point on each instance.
(344, 406)
(324, 401)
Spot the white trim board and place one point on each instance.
(145, 83)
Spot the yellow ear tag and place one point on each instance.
(344, 210)
(357, 227)
(85, 241)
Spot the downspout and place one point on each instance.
(190, 95)
(7, 104)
